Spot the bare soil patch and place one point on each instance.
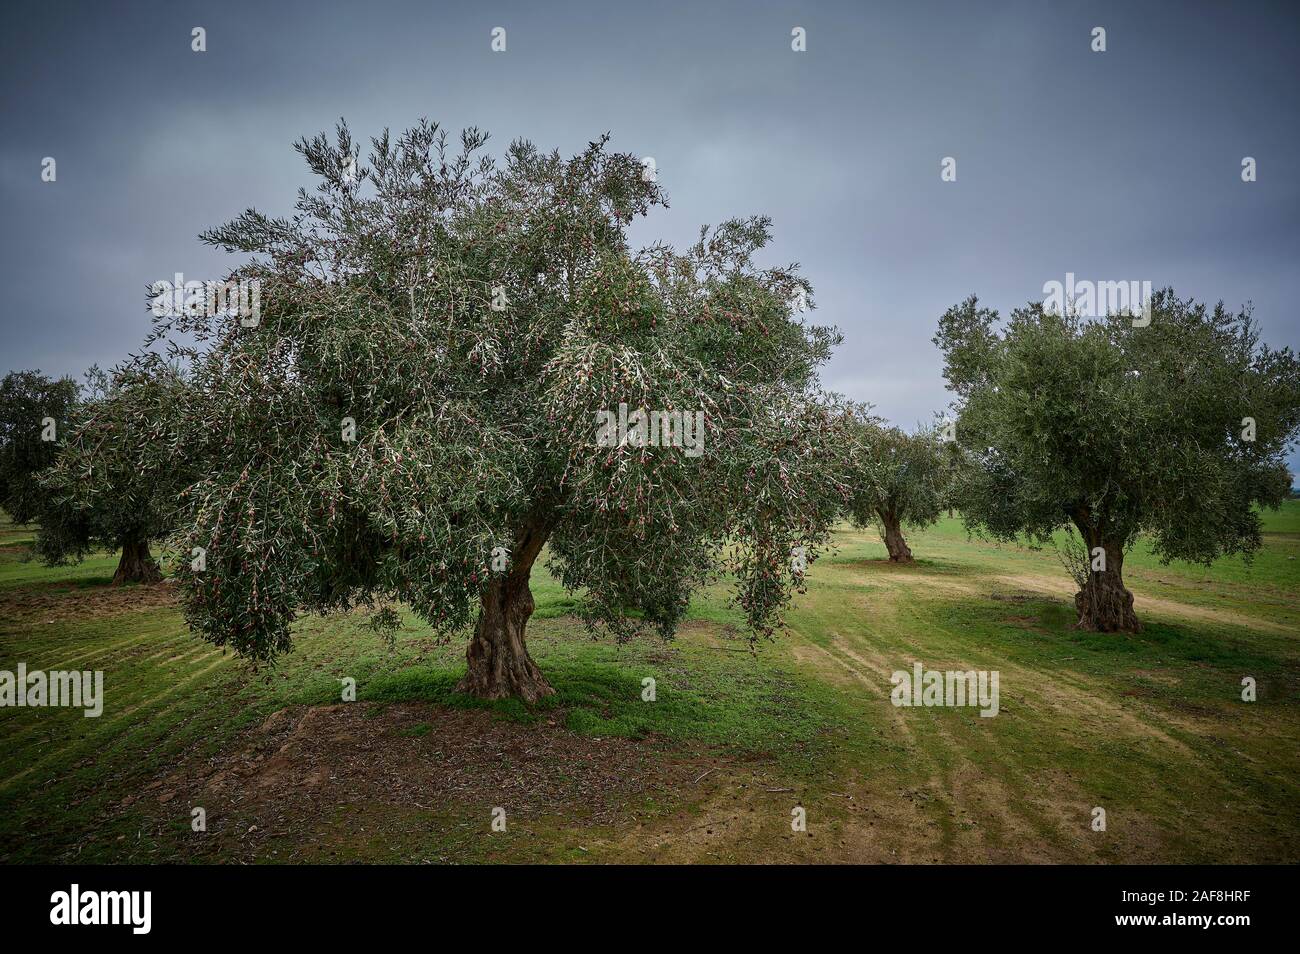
(295, 779)
(60, 604)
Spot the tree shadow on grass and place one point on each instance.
(1023, 623)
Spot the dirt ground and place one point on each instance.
(288, 787)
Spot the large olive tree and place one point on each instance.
(458, 363)
(1174, 425)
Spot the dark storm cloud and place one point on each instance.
(1115, 165)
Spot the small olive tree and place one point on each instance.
(34, 414)
(458, 363)
(898, 480)
(120, 470)
(1174, 425)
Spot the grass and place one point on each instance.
(1151, 727)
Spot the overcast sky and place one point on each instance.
(1115, 166)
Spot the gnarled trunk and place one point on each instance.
(499, 664)
(136, 564)
(899, 552)
(1104, 604)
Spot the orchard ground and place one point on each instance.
(1150, 727)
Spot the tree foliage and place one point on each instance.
(34, 413)
(899, 480)
(120, 470)
(471, 322)
(1177, 430)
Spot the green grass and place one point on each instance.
(1150, 726)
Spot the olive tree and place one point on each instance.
(34, 413)
(898, 480)
(459, 362)
(1173, 425)
(120, 469)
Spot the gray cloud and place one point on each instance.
(1117, 165)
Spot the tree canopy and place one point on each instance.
(898, 479)
(119, 471)
(1176, 430)
(459, 362)
(34, 413)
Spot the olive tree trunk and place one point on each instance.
(892, 531)
(1104, 603)
(499, 664)
(137, 564)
